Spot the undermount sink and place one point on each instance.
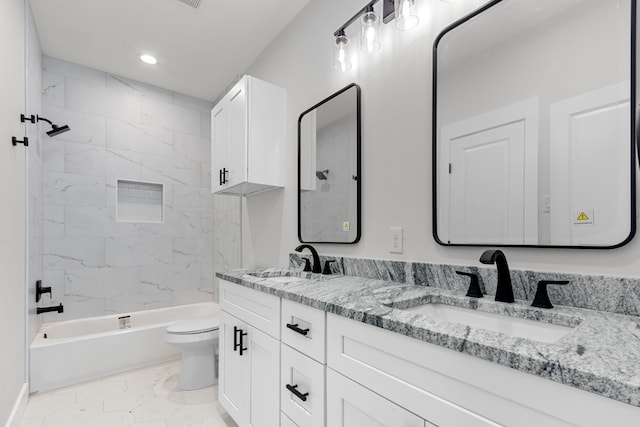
(509, 325)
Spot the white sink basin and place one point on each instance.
(514, 326)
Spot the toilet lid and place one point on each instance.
(195, 325)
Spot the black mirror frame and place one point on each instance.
(634, 137)
(358, 163)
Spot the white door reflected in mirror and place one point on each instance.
(534, 131)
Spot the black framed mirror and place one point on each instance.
(329, 175)
(535, 124)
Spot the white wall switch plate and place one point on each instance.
(395, 240)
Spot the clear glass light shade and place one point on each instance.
(406, 14)
(370, 32)
(342, 60)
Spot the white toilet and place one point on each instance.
(198, 339)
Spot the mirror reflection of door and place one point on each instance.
(590, 133)
(575, 59)
(492, 180)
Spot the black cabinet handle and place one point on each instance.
(235, 338)
(224, 175)
(294, 327)
(238, 344)
(242, 347)
(220, 176)
(294, 389)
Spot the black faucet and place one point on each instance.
(316, 259)
(59, 309)
(504, 291)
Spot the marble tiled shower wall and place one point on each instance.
(122, 129)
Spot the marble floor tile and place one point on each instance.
(146, 397)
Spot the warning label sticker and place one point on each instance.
(583, 217)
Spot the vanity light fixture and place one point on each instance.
(148, 59)
(406, 14)
(341, 52)
(404, 11)
(370, 31)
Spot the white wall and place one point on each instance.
(122, 129)
(12, 213)
(396, 145)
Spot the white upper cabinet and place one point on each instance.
(247, 132)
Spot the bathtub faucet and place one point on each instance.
(58, 308)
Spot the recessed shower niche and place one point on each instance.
(139, 202)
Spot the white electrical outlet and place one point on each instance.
(395, 240)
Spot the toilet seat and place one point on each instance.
(196, 325)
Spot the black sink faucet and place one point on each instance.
(504, 291)
(316, 259)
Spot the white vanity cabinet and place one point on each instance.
(247, 132)
(345, 373)
(249, 364)
(449, 388)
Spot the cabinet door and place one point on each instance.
(219, 144)
(238, 133)
(351, 405)
(233, 377)
(264, 370)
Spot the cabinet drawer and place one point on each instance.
(305, 405)
(303, 328)
(258, 309)
(351, 405)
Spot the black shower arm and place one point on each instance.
(46, 120)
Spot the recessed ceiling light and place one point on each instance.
(148, 59)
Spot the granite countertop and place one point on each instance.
(601, 355)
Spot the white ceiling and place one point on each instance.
(199, 51)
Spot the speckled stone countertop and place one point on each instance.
(601, 355)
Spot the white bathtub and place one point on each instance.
(84, 349)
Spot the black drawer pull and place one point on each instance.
(294, 327)
(294, 389)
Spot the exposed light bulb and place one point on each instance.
(370, 31)
(341, 53)
(406, 14)
(148, 59)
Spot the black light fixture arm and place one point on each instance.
(388, 13)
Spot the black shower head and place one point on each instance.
(322, 175)
(57, 130)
